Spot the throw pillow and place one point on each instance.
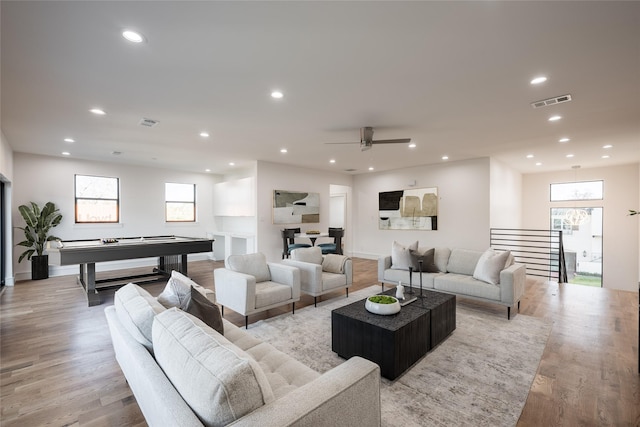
(334, 263)
(200, 307)
(489, 266)
(427, 258)
(400, 255)
(177, 292)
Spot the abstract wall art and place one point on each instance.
(412, 209)
(295, 207)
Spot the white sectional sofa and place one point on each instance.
(184, 373)
(483, 275)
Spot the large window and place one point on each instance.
(587, 190)
(180, 202)
(97, 199)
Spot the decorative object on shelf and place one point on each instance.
(632, 212)
(382, 304)
(400, 291)
(420, 264)
(295, 207)
(36, 233)
(411, 209)
(410, 292)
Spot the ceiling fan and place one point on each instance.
(367, 141)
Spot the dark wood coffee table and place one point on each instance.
(397, 341)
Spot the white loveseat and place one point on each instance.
(184, 373)
(457, 271)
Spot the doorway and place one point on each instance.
(582, 239)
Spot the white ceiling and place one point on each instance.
(453, 76)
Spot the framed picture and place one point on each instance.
(412, 209)
(295, 207)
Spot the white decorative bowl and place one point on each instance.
(384, 309)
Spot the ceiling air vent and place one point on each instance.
(148, 122)
(551, 101)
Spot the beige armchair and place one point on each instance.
(320, 274)
(249, 284)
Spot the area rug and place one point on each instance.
(479, 376)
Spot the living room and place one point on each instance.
(488, 182)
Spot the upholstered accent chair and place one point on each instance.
(289, 241)
(249, 284)
(336, 247)
(320, 274)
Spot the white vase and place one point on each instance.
(400, 291)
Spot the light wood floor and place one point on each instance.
(57, 364)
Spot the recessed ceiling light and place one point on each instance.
(207, 170)
(231, 164)
(204, 134)
(529, 156)
(66, 153)
(564, 140)
(283, 150)
(538, 164)
(554, 118)
(370, 168)
(606, 156)
(132, 36)
(538, 80)
(277, 94)
(412, 145)
(569, 156)
(332, 161)
(69, 140)
(445, 157)
(98, 111)
(607, 146)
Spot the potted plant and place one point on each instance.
(36, 233)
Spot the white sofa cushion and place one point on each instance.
(252, 264)
(220, 382)
(463, 261)
(136, 308)
(283, 372)
(269, 293)
(441, 258)
(312, 255)
(489, 266)
(400, 255)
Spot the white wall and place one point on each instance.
(275, 176)
(6, 176)
(42, 179)
(463, 207)
(620, 268)
(505, 196)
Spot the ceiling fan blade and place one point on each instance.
(392, 141)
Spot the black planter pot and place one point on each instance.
(39, 267)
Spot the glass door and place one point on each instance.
(582, 238)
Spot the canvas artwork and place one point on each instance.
(412, 209)
(295, 207)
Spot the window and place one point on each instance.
(97, 199)
(180, 202)
(587, 190)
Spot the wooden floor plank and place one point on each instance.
(57, 365)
